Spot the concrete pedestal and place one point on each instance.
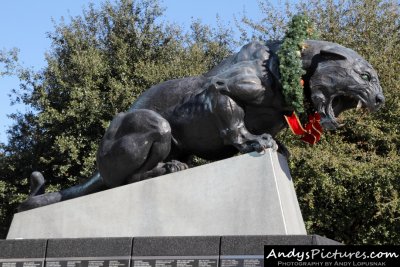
(250, 194)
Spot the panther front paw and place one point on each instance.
(263, 142)
(175, 166)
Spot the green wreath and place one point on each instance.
(290, 65)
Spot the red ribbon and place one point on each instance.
(311, 132)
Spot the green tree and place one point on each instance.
(349, 184)
(98, 64)
(8, 187)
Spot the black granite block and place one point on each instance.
(176, 251)
(176, 246)
(254, 245)
(19, 249)
(89, 247)
(249, 250)
(89, 252)
(22, 253)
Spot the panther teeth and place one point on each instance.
(359, 105)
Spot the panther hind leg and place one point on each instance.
(135, 143)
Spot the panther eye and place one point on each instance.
(366, 77)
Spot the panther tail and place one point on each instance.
(37, 197)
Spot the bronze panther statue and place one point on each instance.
(237, 106)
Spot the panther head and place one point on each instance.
(339, 79)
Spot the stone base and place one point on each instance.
(250, 194)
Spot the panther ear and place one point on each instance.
(332, 53)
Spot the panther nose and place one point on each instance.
(379, 100)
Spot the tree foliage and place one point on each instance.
(98, 64)
(349, 184)
(8, 61)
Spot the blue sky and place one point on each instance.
(24, 24)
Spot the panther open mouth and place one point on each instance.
(337, 104)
